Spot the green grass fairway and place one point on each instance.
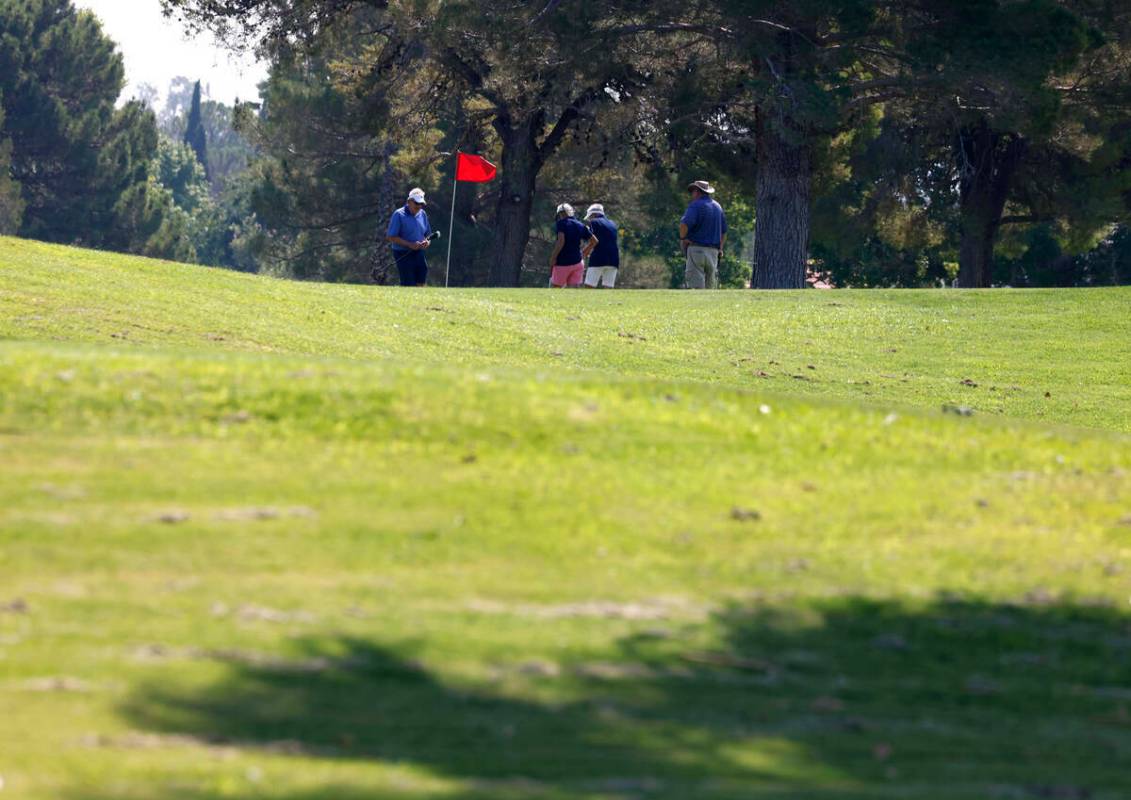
(262, 539)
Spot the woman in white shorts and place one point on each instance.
(604, 261)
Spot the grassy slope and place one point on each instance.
(891, 347)
(502, 559)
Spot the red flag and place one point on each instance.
(474, 169)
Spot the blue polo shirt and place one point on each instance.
(606, 253)
(575, 234)
(706, 223)
(408, 227)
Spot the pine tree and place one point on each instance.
(995, 108)
(72, 151)
(194, 132)
(999, 104)
(791, 76)
(503, 60)
(1025, 123)
(336, 148)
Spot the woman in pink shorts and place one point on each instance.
(567, 264)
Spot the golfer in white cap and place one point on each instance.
(567, 263)
(703, 236)
(604, 261)
(409, 232)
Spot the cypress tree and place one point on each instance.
(194, 132)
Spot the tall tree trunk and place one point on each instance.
(987, 161)
(388, 200)
(784, 183)
(783, 194)
(976, 254)
(521, 163)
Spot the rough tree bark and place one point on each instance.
(784, 183)
(521, 163)
(987, 163)
(783, 197)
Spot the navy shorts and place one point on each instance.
(412, 266)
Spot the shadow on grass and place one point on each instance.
(848, 699)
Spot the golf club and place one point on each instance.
(429, 238)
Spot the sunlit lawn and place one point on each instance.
(268, 539)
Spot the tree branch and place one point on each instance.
(567, 118)
(473, 77)
(668, 27)
(1026, 219)
(545, 12)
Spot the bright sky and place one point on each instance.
(156, 50)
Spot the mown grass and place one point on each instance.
(1063, 357)
(264, 539)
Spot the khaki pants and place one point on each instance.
(702, 268)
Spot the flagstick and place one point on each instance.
(451, 225)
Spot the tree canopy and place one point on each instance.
(868, 142)
(73, 153)
(912, 134)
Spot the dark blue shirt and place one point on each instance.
(606, 253)
(408, 227)
(706, 223)
(575, 233)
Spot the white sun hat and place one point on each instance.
(566, 208)
(594, 210)
(417, 196)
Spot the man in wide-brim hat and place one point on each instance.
(703, 236)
